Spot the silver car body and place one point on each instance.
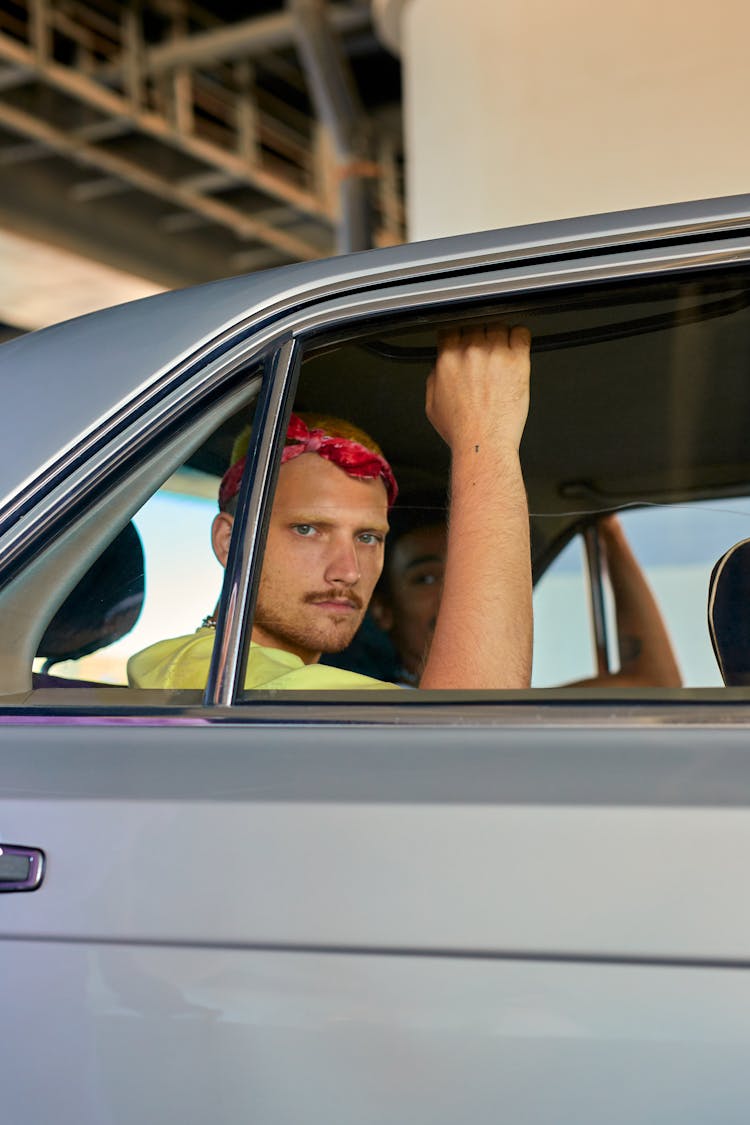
(358, 912)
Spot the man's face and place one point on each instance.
(323, 556)
(415, 583)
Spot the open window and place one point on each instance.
(639, 397)
(640, 392)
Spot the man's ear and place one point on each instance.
(221, 533)
(381, 612)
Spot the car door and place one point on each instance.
(337, 906)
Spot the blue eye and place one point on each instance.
(370, 538)
(304, 529)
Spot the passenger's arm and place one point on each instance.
(646, 656)
(477, 400)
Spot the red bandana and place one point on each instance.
(355, 459)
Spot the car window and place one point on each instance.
(173, 526)
(678, 546)
(638, 390)
(639, 393)
(563, 643)
(135, 569)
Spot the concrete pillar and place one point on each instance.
(523, 110)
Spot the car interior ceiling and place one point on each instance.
(624, 405)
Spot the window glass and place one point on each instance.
(563, 645)
(137, 583)
(678, 546)
(173, 527)
(639, 395)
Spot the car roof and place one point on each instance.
(61, 382)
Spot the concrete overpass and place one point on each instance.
(171, 144)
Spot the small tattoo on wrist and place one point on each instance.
(630, 649)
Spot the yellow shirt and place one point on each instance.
(182, 662)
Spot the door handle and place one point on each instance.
(21, 869)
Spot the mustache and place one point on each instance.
(336, 596)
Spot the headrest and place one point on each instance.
(729, 614)
(103, 607)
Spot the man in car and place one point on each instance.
(324, 551)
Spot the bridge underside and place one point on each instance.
(180, 145)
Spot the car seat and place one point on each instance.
(729, 614)
(101, 609)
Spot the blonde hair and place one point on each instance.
(328, 423)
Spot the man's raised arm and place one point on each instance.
(477, 400)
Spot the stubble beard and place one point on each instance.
(303, 631)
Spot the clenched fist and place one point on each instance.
(478, 391)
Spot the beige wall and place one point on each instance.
(42, 284)
(523, 110)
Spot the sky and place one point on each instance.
(677, 547)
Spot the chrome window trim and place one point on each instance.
(628, 237)
(336, 312)
(531, 279)
(79, 486)
(81, 480)
(239, 591)
(656, 709)
(89, 444)
(401, 302)
(594, 571)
